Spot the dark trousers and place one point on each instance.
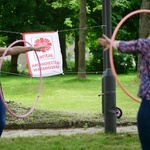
(2, 116)
(143, 124)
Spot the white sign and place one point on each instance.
(50, 57)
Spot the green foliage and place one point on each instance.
(68, 22)
(46, 15)
(6, 66)
(3, 39)
(125, 7)
(70, 65)
(95, 62)
(123, 62)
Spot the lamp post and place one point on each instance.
(108, 81)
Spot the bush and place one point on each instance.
(95, 63)
(124, 63)
(6, 66)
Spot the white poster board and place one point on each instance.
(50, 57)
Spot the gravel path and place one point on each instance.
(67, 132)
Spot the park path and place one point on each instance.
(67, 132)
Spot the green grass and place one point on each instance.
(69, 94)
(98, 141)
(79, 99)
(67, 98)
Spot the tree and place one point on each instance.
(46, 15)
(16, 17)
(144, 26)
(29, 16)
(69, 20)
(82, 36)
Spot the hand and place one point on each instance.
(105, 41)
(39, 48)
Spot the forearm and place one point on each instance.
(18, 50)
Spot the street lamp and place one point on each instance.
(108, 81)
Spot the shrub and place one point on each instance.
(6, 66)
(124, 63)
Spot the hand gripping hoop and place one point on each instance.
(39, 87)
(111, 49)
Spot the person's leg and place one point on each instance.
(2, 116)
(143, 124)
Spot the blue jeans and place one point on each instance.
(143, 124)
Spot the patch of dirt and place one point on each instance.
(55, 119)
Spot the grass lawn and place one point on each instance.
(97, 141)
(79, 100)
(64, 97)
(69, 94)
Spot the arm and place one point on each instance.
(20, 49)
(130, 47)
(139, 46)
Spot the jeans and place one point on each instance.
(143, 124)
(2, 116)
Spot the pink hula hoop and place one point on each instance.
(39, 88)
(111, 49)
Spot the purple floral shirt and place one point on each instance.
(140, 46)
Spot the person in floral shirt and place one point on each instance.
(12, 51)
(139, 46)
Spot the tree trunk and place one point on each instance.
(82, 36)
(144, 26)
(14, 58)
(63, 49)
(13, 66)
(76, 51)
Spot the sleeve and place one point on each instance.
(139, 46)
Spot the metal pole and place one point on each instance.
(108, 81)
